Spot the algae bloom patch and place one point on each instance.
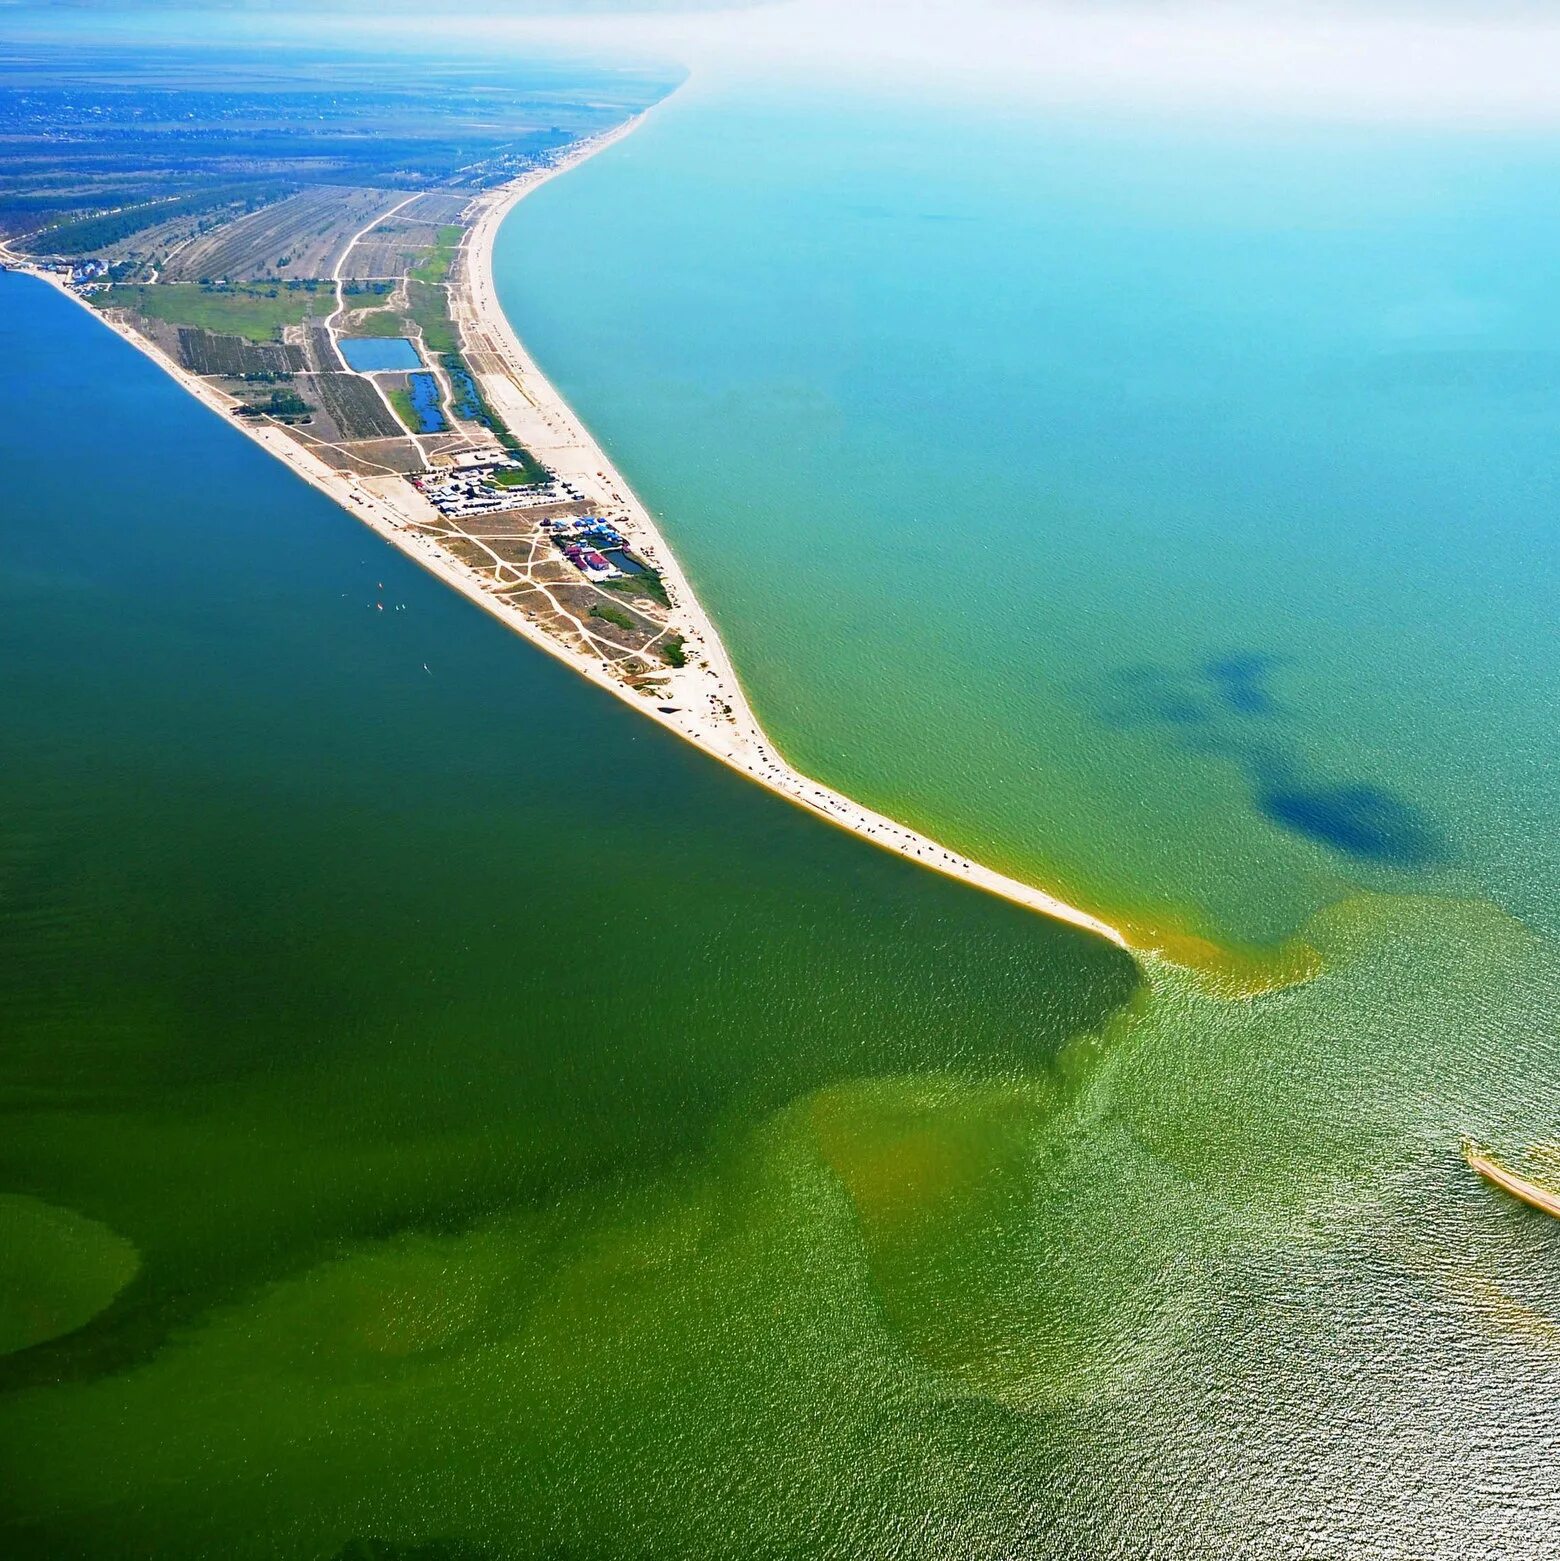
(58, 1270)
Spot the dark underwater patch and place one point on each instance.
(1360, 820)
(1224, 709)
(1148, 695)
(1241, 682)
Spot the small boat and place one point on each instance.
(1509, 1181)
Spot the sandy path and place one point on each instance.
(702, 693)
(704, 702)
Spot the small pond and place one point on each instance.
(424, 389)
(379, 354)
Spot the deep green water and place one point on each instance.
(443, 1112)
(441, 1049)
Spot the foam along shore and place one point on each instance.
(703, 701)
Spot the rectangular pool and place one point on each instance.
(379, 354)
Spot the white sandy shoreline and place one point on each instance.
(707, 704)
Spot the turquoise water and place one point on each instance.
(1162, 512)
(376, 354)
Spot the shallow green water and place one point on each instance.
(437, 992)
(446, 1117)
(1164, 513)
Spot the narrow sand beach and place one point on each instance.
(703, 702)
(1513, 1182)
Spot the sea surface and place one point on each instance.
(447, 1117)
(1160, 511)
(1163, 512)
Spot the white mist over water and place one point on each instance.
(1457, 63)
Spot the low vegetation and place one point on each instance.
(355, 407)
(614, 615)
(401, 400)
(257, 311)
(519, 478)
(379, 322)
(234, 357)
(648, 583)
(88, 235)
(286, 406)
(431, 310)
(435, 269)
(672, 652)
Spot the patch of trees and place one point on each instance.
(286, 406)
(84, 235)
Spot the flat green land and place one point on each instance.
(431, 311)
(526, 478)
(647, 584)
(381, 322)
(401, 400)
(257, 311)
(436, 268)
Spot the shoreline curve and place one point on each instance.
(711, 709)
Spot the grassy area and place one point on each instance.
(378, 322)
(257, 311)
(436, 268)
(431, 311)
(612, 615)
(672, 652)
(527, 476)
(647, 584)
(401, 400)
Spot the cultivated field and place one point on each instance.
(319, 351)
(437, 208)
(302, 236)
(234, 356)
(352, 404)
(392, 248)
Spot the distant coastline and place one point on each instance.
(704, 703)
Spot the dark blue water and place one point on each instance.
(379, 354)
(425, 403)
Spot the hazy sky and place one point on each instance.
(1495, 62)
